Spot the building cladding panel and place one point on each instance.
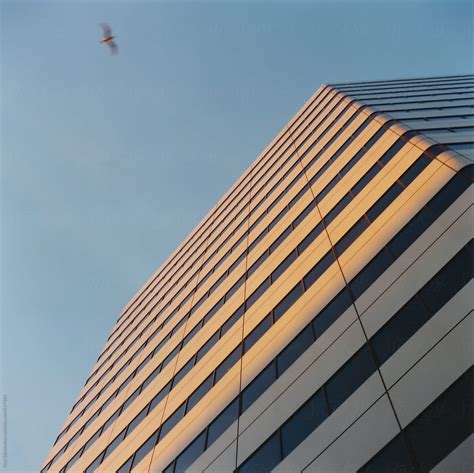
(319, 318)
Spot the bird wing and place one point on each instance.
(106, 29)
(113, 47)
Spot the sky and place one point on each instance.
(108, 162)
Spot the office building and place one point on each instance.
(319, 317)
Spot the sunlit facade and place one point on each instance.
(319, 318)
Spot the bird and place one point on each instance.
(108, 39)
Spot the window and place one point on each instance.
(227, 364)
(258, 385)
(191, 453)
(393, 457)
(345, 381)
(371, 272)
(444, 424)
(115, 443)
(160, 396)
(351, 235)
(284, 265)
(294, 349)
(177, 415)
(265, 458)
(183, 372)
(312, 235)
(200, 392)
(337, 209)
(281, 238)
(170, 357)
(308, 417)
(232, 320)
(257, 293)
(207, 346)
(94, 465)
(304, 213)
(131, 398)
(144, 450)
(222, 422)
(331, 312)
(125, 468)
(455, 275)
(257, 332)
(399, 329)
(257, 263)
(318, 269)
(384, 201)
(287, 301)
(137, 419)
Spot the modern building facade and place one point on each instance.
(319, 318)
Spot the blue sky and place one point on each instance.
(107, 163)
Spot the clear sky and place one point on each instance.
(107, 163)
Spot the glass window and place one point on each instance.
(337, 209)
(304, 213)
(257, 332)
(329, 187)
(191, 453)
(183, 372)
(207, 346)
(125, 468)
(281, 238)
(306, 419)
(392, 458)
(232, 320)
(131, 398)
(172, 420)
(265, 458)
(94, 465)
(254, 390)
(151, 377)
(222, 422)
(345, 381)
(449, 281)
(415, 169)
(351, 235)
(112, 418)
(444, 424)
(136, 421)
(200, 392)
(399, 329)
(115, 443)
(144, 449)
(160, 396)
(284, 265)
(257, 240)
(228, 363)
(214, 310)
(294, 349)
(331, 312)
(257, 263)
(391, 152)
(366, 178)
(191, 334)
(170, 357)
(411, 231)
(312, 235)
(287, 301)
(384, 201)
(318, 269)
(257, 293)
(371, 272)
(234, 288)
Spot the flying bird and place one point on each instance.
(108, 39)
